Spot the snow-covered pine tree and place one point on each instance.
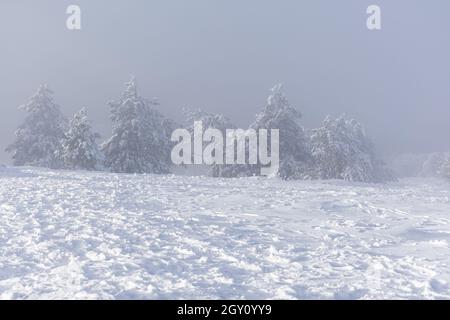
(209, 120)
(39, 137)
(341, 150)
(294, 149)
(435, 165)
(79, 149)
(140, 141)
(222, 123)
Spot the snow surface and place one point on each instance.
(84, 235)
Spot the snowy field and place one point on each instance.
(77, 235)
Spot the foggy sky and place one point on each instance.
(225, 55)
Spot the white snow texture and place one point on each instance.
(90, 235)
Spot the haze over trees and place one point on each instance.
(141, 140)
(341, 150)
(446, 168)
(39, 136)
(79, 149)
(436, 165)
(294, 149)
(212, 121)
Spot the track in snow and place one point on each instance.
(96, 235)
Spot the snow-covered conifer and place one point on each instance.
(294, 149)
(140, 142)
(79, 149)
(209, 120)
(435, 165)
(39, 137)
(341, 150)
(221, 123)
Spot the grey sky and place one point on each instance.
(223, 56)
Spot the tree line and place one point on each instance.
(140, 140)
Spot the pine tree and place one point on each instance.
(294, 150)
(209, 120)
(341, 150)
(140, 142)
(222, 123)
(39, 137)
(79, 149)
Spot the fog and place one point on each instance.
(224, 56)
